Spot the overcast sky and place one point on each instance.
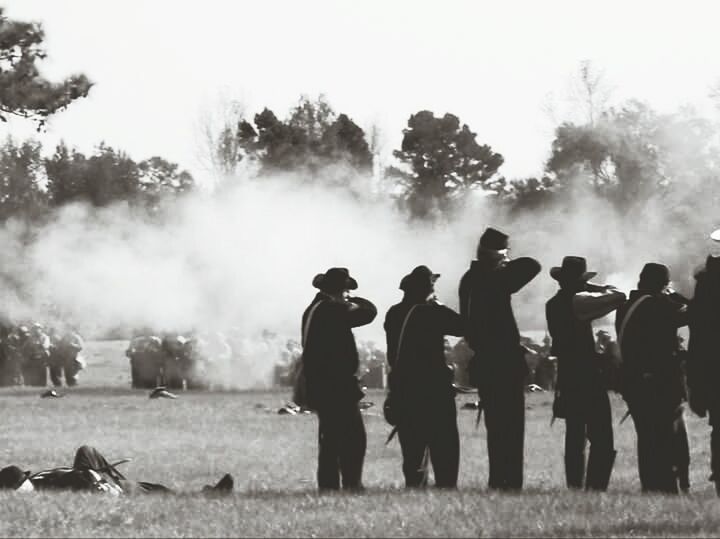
(161, 65)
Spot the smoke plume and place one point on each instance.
(244, 259)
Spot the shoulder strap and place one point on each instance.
(402, 334)
(306, 328)
(628, 315)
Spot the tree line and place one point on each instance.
(626, 154)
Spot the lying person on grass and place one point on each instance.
(90, 472)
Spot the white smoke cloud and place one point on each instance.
(245, 258)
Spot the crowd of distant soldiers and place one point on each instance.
(31, 353)
(174, 360)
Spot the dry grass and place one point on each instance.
(192, 441)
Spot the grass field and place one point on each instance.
(192, 441)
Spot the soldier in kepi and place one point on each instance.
(703, 362)
(581, 395)
(421, 383)
(652, 382)
(498, 367)
(330, 363)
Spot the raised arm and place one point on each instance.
(360, 312)
(449, 321)
(594, 304)
(679, 308)
(519, 272)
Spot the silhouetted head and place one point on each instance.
(419, 283)
(573, 273)
(654, 277)
(334, 281)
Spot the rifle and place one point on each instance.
(480, 409)
(393, 432)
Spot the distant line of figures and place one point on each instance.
(177, 361)
(29, 353)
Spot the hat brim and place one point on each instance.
(318, 280)
(410, 281)
(557, 274)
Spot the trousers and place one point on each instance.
(428, 434)
(504, 408)
(653, 414)
(342, 443)
(589, 418)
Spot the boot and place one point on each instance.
(599, 470)
(224, 486)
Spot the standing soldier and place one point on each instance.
(65, 357)
(498, 366)
(5, 371)
(652, 382)
(330, 362)
(581, 396)
(703, 362)
(421, 383)
(36, 354)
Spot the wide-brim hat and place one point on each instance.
(334, 280)
(12, 477)
(420, 277)
(573, 268)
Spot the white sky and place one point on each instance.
(158, 64)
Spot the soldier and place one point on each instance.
(5, 330)
(581, 396)
(36, 355)
(195, 363)
(546, 373)
(652, 383)
(173, 372)
(146, 361)
(703, 362)
(14, 354)
(65, 359)
(421, 383)
(90, 472)
(330, 361)
(608, 356)
(498, 367)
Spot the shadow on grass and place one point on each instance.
(123, 391)
(660, 528)
(311, 491)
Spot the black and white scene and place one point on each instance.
(330, 268)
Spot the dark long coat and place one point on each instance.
(422, 373)
(330, 356)
(485, 305)
(703, 368)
